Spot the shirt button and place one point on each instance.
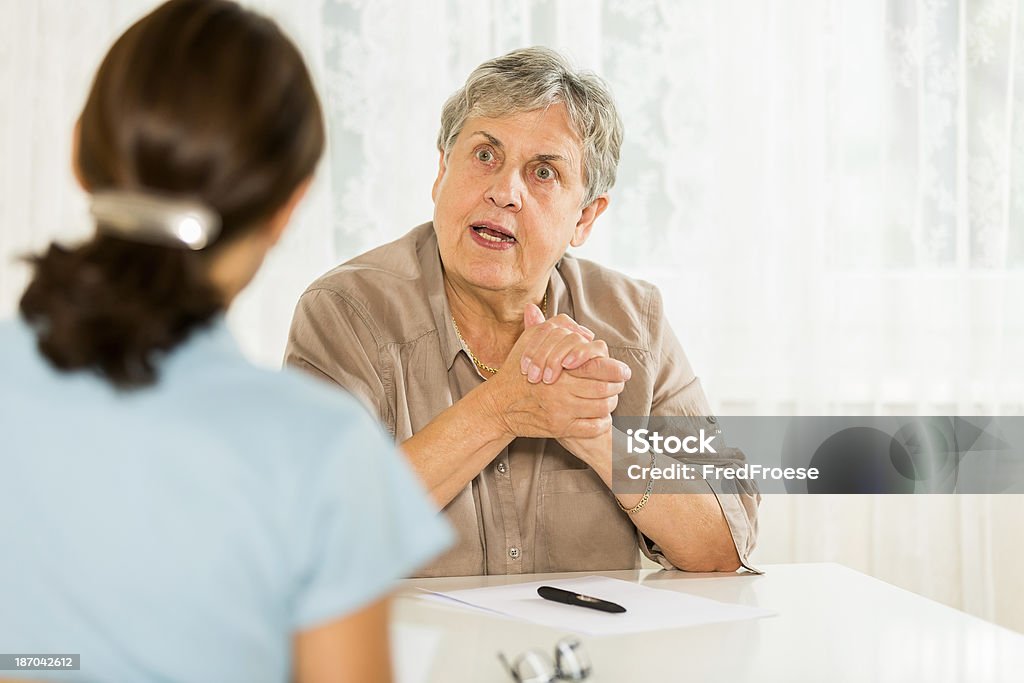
(712, 419)
(502, 468)
(513, 552)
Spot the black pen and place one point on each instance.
(578, 599)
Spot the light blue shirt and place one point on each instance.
(185, 531)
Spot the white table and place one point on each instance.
(833, 624)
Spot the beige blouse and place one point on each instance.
(379, 326)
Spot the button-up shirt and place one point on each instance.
(380, 326)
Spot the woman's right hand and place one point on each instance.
(572, 404)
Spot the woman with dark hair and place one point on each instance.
(171, 512)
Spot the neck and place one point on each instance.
(490, 322)
(234, 265)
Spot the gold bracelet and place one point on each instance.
(647, 494)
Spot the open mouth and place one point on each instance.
(492, 234)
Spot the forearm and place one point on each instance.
(689, 527)
(456, 445)
(351, 649)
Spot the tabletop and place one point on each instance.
(832, 624)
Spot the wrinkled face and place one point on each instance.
(507, 200)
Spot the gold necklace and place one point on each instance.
(476, 361)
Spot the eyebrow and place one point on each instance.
(540, 157)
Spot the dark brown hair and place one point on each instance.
(199, 99)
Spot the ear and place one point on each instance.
(76, 141)
(279, 221)
(441, 168)
(586, 222)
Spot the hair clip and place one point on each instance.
(153, 219)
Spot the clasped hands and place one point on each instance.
(557, 382)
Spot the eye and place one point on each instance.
(544, 173)
(485, 155)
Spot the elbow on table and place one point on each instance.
(707, 565)
(708, 559)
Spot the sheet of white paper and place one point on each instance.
(647, 609)
(413, 649)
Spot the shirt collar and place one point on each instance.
(433, 278)
(211, 343)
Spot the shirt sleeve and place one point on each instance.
(331, 338)
(678, 394)
(363, 522)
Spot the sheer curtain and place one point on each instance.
(830, 195)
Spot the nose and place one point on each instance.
(506, 189)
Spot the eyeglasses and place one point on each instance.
(533, 666)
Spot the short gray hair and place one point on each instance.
(534, 78)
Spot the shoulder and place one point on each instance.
(390, 264)
(11, 331)
(15, 337)
(20, 358)
(626, 312)
(289, 421)
(207, 396)
(387, 288)
(210, 386)
(299, 404)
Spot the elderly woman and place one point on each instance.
(497, 360)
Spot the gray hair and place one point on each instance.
(534, 78)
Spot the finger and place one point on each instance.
(600, 407)
(537, 338)
(590, 407)
(592, 388)
(562, 320)
(607, 369)
(531, 341)
(549, 356)
(532, 316)
(537, 347)
(584, 352)
(589, 428)
(570, 353)
(571, 345)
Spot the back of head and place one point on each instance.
(534, 78)
(200, 101)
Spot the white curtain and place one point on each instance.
(830, 194)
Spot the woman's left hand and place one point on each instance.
(564, 345)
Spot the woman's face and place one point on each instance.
(507, 200)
